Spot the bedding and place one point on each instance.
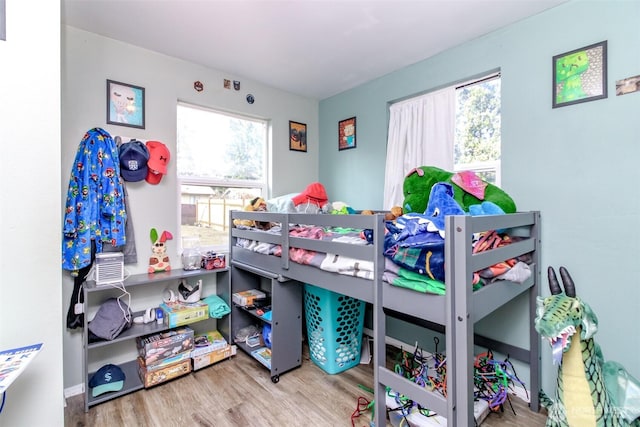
(414, 255)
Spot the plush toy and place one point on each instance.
(419, 181)
(255, 205)
(394, 213)
(159, 260)
(590, 392)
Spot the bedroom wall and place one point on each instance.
(88, 60)
(576, 164)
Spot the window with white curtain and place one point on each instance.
(222, 166)
(456, 128)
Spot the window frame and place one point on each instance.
(199, 181)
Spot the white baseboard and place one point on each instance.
(73, 391)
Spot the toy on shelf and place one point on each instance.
(589, 391)
(159, 260)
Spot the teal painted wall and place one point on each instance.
(577, 164)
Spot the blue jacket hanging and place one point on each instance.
(95, 208)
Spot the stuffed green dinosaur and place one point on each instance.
(590, 392)
(417, 188)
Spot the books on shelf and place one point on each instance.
(263, 355)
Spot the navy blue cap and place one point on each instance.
(134, 156)
(108, 378)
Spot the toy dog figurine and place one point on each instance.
(159, 260)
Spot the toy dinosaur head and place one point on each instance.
(561, 314)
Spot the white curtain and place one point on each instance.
(421, 133)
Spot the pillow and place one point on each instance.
(282, 204)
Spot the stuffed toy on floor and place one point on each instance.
(468, 190)
(589, 392)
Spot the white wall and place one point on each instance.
(89, 60)
(30, 211)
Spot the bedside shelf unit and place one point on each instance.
(286, 316)
(130, 368)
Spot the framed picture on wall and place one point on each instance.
(347, 134)
(297, 136)
(580, 75)
(125, 104)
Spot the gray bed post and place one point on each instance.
(459, 337)
(534, 339)
(380, 333)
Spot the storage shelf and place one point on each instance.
(244, 347)
(132, 382)
(132, 377)
(145, 279)
(136, 330)
(253, 312)
(286, 317)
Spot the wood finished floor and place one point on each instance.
(239, 392)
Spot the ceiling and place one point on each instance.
(314, 48)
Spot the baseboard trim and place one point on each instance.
(73, 391)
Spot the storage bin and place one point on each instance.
(334, 328)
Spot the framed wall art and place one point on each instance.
(297, 136)
(580, 75)
(125, 104)
(347, 134)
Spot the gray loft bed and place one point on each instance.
(454, 314)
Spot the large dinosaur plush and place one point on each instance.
(417, 186)
(590, 392)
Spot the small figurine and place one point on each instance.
(159, 260)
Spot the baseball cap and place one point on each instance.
(158, 159)
(133, 160)
(108, 378)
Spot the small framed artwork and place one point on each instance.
(347, 134)
(580, 75)
(297, 136)
(628, 85)
(125, 104)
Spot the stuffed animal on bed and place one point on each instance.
(255, 205)
(468, 190)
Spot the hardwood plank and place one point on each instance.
(239, 392)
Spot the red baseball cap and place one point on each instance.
(158, 159)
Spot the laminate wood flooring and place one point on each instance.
(239, 392)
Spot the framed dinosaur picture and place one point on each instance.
(580, 75)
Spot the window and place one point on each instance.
(477, 134)
(455, 128)
(222, 166)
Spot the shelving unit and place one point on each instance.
(286, 316)
(92, 292)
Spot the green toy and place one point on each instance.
(417, 188)
(569, 70)
(590, 392)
